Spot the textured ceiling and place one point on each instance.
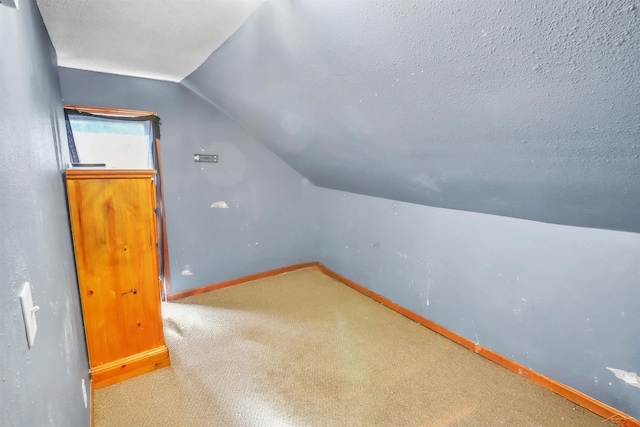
(160, 39)
(523, 109)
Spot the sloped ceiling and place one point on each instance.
(159, 39)
(523, 109)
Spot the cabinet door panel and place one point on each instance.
(115, 232)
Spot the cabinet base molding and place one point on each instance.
(129, 367)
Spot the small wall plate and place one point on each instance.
(205, 158)
(29, 313)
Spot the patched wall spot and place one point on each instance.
(220, 205)
(630, 378)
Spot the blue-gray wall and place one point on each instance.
(561, 300)
(526, 111)
(521, 109)
(269, 222)
(40, 386)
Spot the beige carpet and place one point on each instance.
(302, 349)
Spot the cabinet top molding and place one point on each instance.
(81, 173)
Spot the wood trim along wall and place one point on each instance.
(245, 279)
(92, 410)
(166, 273)
(567, 392)
(110, 111)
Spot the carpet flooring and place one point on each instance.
(302, 349)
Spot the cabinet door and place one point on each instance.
(115, 233)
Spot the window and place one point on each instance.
(116, 144)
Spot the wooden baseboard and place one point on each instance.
(129, 367)
(92, 411)
(245, 279)
(565, 391)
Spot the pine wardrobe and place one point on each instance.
(115, 235)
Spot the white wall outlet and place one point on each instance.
(29, 313)
(84, 394)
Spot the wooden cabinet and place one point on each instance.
(115, 234)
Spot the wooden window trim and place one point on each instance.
(110, 111)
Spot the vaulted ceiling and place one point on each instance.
(523, 109)
(158, 39)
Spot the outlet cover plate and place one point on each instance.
(84, 394)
